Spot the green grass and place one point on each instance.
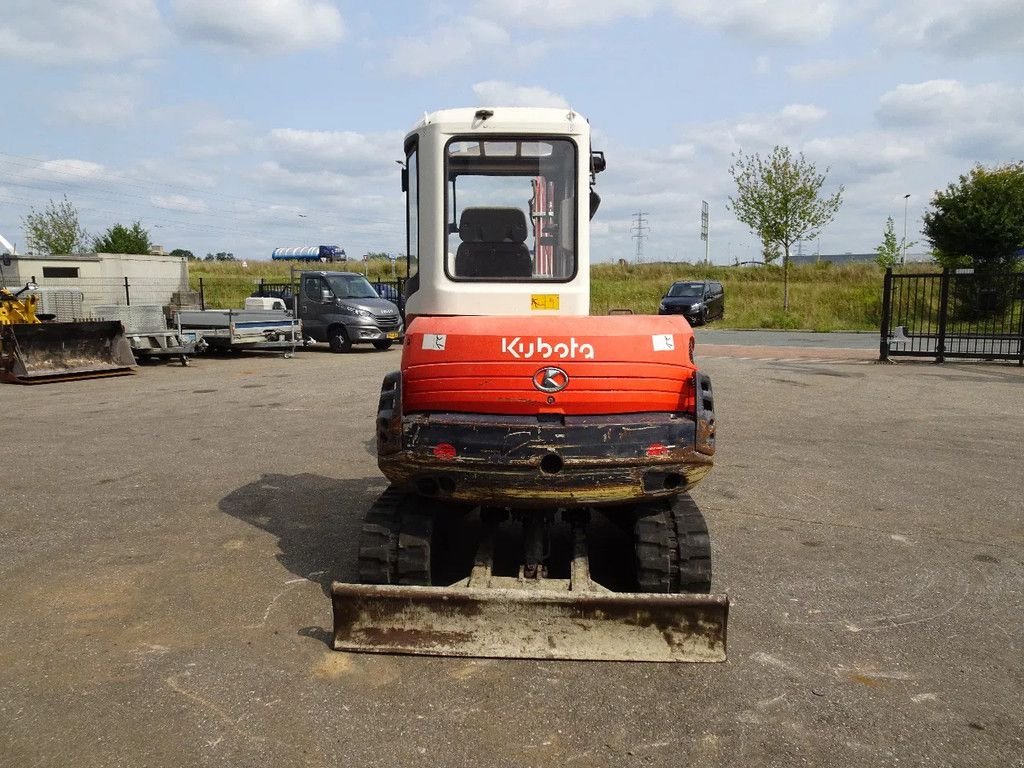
(822, 297)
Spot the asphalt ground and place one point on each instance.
(167, 540)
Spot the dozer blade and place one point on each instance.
(39, 352)
(529, 623)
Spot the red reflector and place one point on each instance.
(444, 451)
(657, 449)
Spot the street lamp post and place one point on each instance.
(906, 199)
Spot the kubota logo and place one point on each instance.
(551, 380)
(524, 350)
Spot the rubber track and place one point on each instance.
(394, 543)
(672, 546)
(378, 540)
(694, 546)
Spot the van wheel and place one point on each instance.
(339, 340)
(383, 345)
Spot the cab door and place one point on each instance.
(311, 298)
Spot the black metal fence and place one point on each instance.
(955, 313)
(392, 290)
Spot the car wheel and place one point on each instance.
(383, 346)
(339, 340)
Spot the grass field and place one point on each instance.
(823, 297)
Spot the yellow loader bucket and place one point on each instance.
(33, 353)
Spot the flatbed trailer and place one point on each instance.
(241, 329)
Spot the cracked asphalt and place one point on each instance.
(167, 540)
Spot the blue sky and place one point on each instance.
(242, 125)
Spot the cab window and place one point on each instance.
(511, 209)
(312, 287)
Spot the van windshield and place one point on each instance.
(351, 287)
(686, 290)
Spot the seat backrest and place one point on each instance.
(493, 243)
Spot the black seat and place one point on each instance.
(493, 244)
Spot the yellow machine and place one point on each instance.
(33, 351)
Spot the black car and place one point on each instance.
(698, 300)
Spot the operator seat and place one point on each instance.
(493, 244)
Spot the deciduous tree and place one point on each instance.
(779, 198)
(887, 253)
(979, 220)
(122, 239)
(55, 229)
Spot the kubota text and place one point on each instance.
(524, 350)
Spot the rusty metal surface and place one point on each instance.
(498, 460)
(607, 483)
(529, 623)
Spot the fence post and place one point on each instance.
(263, 290)
(1020, 336)
(202, 295)
(883, 342)
(940, 350)
(127, 293)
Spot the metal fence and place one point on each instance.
(70, 298)
(392, 290)
(956, 313)
(73, 298)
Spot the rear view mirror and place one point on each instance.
(326, 296)
(405, 179)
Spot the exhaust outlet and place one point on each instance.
(551, 464)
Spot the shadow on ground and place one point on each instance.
(316, 520)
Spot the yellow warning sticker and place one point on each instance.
(543, 301)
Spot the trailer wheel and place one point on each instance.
(339, 340)
(672, 547)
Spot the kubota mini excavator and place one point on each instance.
(513, 404)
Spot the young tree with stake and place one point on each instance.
(779, 199)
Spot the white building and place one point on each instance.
(101, 277)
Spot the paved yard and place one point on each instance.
(167, 540)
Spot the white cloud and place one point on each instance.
(855, 157)
(345, 152)
(801, 114)
(966, 30)
(447, 44)
(818, 70)
(52, 32)
(498, 93)
(794, 21)
(972, 122)
(178, 203)
(68, 171)
(102, 100)
(260, 26)
(922, 104)
(213, 137)
(551, 14)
